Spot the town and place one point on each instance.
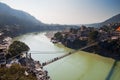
(75, 38)
(107, 35)
(22, 59)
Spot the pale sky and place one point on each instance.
(68, 11)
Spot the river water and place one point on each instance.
(78, 66)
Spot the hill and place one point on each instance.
(114, 19)
(15, 22)
(10, 17)
(6, 11)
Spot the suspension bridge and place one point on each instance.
(61, 57)
(65, 55)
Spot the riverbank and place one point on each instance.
(35, 68)
(101, 50)
(107, 48)
(31, 66)
(79, 66)
(50, 34)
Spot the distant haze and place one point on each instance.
(68, 11)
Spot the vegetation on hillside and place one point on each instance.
(15, 72)
(107, 36)
(93, 36)
(16, 48)
(58, 36)
(109, 48)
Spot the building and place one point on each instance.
(2, 58)
(118, 29)
(5, 43)
(116, 34)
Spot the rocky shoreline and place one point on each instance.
(33, 67)
(107, 46)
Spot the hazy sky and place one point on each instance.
(68, 11)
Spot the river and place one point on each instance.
(78, 66)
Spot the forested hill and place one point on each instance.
(16, 22)
(114, 19)
(18, 19)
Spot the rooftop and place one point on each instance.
(118, 29)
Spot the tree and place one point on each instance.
(16, 48)
(58, 36)
(93, 36)
(15, 72)
(73, 30)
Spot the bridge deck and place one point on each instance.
(58, 58)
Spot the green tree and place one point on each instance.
(15, 72)
(73, 30)
(16, 48)
(58, 36)
(93, 36)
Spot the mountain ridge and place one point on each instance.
(8, 11)
(17, 21)
(113, 19)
